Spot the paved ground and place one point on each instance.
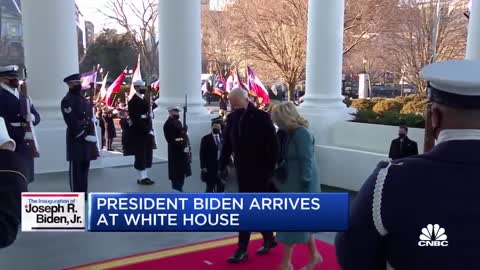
(51, 250)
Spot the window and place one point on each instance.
(14, 30)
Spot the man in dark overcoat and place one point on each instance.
(250, 137)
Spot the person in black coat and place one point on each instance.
(178, 149)
(210, 149)
(251, 137)
(125, 126)
(99, 110)
(81, 139)
(14, 182)
(223, 104)
(13, 110)
(110, 131)
(141, 132)
(402, 147)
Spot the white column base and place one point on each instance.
(322, 119)
(199, 124)
(51, 137)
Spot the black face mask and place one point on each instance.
(14, 83)
(76, 89)
(401, 135)
(142, 91)
(216, 131)
(176, 116)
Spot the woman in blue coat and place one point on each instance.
(300, 174)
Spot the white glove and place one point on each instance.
(90, 138)
(152, 133)
(30, 118)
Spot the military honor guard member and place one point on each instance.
(81, 138)
(15, 118)
(141, 133)
(178, 149)
(13, 183)
(404, 212)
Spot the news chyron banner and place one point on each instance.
(201, 212)
(53, 212)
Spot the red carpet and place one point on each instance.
(212, 255)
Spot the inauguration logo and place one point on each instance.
(53, 211)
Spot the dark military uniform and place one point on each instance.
(422, 212)
(110, 131)
(14, 182)
(77, 113)
(11, 111)
(140, 134)
(178, 153)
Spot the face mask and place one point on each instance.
(76, 88)
(176, 116)
(14, 83)
(401, 135)
(216, 131)
(142, 91)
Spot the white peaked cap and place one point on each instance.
(4, 137)
(454, 83)
(139, 83)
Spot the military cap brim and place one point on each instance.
(72, 78)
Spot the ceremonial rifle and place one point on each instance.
(188, 148)
(25, 105)
(150, 104)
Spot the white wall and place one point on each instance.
(354, 151)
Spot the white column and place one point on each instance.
(325, 54)
(473, 40)
(180, 69)
(180, 53)
(323, 105)
(51, 50)
(51, 54)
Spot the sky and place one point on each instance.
(89, 10)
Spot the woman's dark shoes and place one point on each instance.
(145, 182)
(266, 248)
(238, 257)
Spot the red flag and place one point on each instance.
(114, 88)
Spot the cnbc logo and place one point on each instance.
(433, 236)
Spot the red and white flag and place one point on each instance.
(115, 88)
(103, 89)
(257, 88)
(137, 76)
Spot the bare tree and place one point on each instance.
(410, 47)
(275, 32)
(224, 53)
(138, 18)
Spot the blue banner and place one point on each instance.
(138, 212)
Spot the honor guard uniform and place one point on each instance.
(404, 212)
(13, 183)
(17, 122)
(178, 149)
(81, 138)
(141, 133)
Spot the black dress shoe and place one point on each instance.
(238, 257)
(266, 248)
(145, 182)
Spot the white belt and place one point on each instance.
(16, 124)
(144, 116)
(179, 139)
